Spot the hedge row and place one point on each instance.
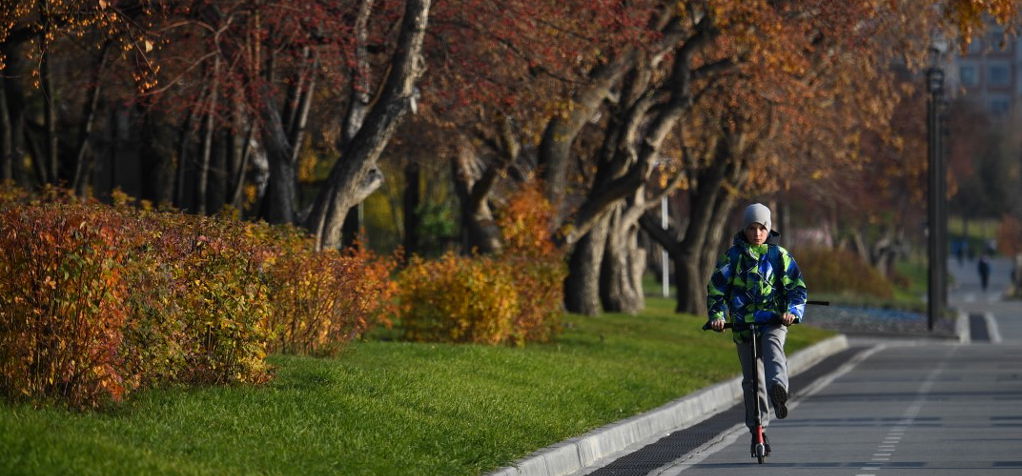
(97, 301)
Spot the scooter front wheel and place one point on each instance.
(760, 452)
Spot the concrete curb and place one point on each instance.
(962, 328)
(607, 443)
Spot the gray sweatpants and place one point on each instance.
(775, 366)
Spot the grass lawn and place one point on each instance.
(389, 407)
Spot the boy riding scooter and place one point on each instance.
(758, 282)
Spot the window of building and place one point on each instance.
(967, 75)
(975, 46)
(999, 105)
(997, 41)
(999, 74)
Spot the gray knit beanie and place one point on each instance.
(756, 213)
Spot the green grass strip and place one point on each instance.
(390, 407)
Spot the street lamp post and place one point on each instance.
(665, 274)
(936, 209)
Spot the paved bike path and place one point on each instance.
(935, 409)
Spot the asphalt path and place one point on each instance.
(900, 407)
(930, 409)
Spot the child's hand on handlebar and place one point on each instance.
(717, 325)
(787, 319)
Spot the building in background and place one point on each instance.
(989, 73)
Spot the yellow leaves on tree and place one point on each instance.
(85, 23)
(968, 15)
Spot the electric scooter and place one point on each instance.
(759, 448)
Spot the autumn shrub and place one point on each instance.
(513, 297)
(62, 304)
(537, 265)
(323, 300)
(458, 299)
(97, 300)
(220, 295)
(1009, 236)
(841, 271)
(11, 194)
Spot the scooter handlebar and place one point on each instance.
(706, 327)
(744, 325)
(728, 325)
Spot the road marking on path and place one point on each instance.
(731, 435)
(992, 330)
(889, 445)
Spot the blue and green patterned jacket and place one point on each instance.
(745, 285)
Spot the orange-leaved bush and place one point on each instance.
(458, 299)
(510, 298)
(96, 301)
(1009, 236)
(322, 300)
(62, 306)
(538, 266)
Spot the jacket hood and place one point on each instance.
(774, 238)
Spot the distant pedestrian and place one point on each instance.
(983, 267)
(757, 281)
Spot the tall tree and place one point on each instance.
(355, 175)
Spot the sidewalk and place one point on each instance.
(589, 452)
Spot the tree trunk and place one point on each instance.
(243, 153)
(50, 172)
(217, 191)
(479, 232)
(298, 123)
(410, 204)
(603, 83)
(691, 284)
(351, 231)
(278, 203)
(163, 176)
(32, 135)
(201, 192)
(6, 135)
(355, 175)
(13, 101)
(622, 267)
(361, 99)
(582, 285)
(183, 143)
(715, 237)
(703, 213)
(362, 83)
(561, 131)
(81, 177)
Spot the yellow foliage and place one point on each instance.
(511, 298)
(458, 299)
